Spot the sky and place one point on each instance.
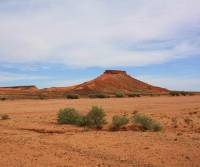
(65, 42)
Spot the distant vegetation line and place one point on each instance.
(56, 95)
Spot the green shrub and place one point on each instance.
(96, 117)
(180, 93)
(157, 127)
(146, 123)
(119, 94)
(174, 93)
(99, 95)
(68, 116)
(119, 121)
(72, 96)
(155, 94)
(82, 121)
(183, 93)
(133, 95)
(4, 117)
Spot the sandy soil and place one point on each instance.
(32, 138)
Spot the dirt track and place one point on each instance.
(32, 138)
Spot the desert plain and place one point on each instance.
(32, 137)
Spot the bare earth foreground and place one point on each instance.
(33, 138)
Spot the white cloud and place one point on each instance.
(90, 33)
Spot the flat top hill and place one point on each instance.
(110, 82)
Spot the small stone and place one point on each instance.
(146, 148)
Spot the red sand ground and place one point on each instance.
(32, 138)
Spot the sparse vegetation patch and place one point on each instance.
(119, 94)
(96, 117)
(68, 116)
(180, 93)
(99, 95)
(134, 95)
(119, 121)
(146, 123)
(72, 96)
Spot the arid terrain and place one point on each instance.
(110, 82)
(32, 137)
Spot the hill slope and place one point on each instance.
(112, 81)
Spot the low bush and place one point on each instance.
(119, 121)
(41, 97)
(82, 121)
(99, 95)
(119, 94)
(96, 117)
(155, 94)
(68, 116)
(3, 98)
(72, 96)
(134, 95)
(180, 93)
(4, 117)
(183, 93)
(146, 123)
(174, 93)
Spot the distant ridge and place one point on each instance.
(18, 89)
